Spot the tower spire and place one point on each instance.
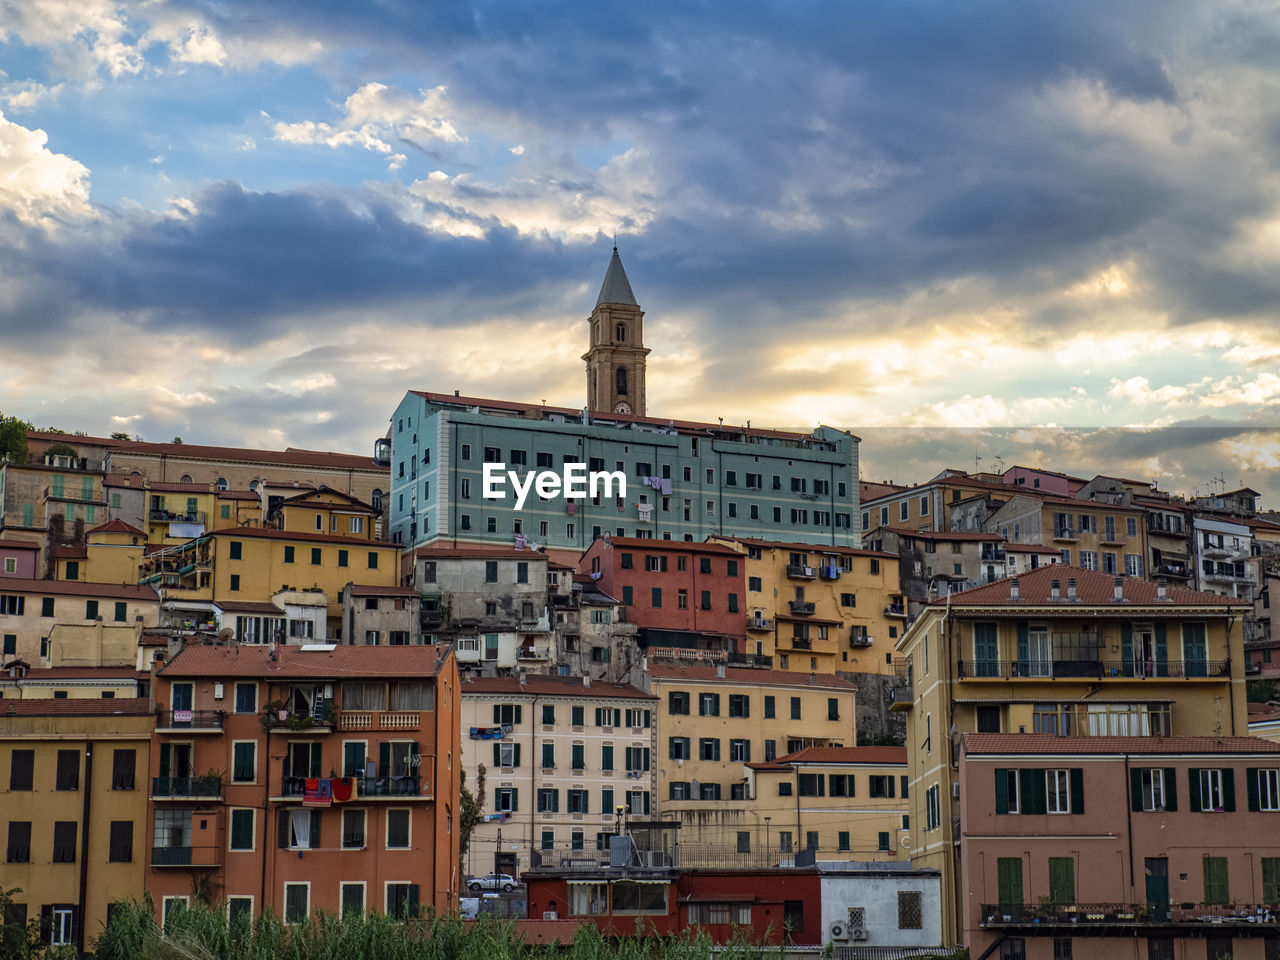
(616, 287)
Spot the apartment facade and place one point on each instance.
(679, 595)
(685, 480)
(820, 609)
(30, 610)
(713, 720)
(306, 777)
(927, 506)
(1116, 847)
(1109, 538)
(561, 756)
(19, 558)
(935, 563)
(1222, 550)
(847, 803)
(75, 810)
(1058, 651)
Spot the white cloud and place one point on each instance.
(518, 149)
(397, 161)
(247, 144)
(35, 182)
(29, 95)
(85, 36)
(374, 114)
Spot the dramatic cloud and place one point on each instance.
(37, 185)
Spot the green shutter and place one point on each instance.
(606, 800)
(1135, 790)
(497, 714)
(1228, 790)
(1251, 785)
(1170, 789)
(1002, 790)
(890, 779)
(515, 799)
(282, 828)
(315, 829)
(1062, 880)
(1024, 652)
(1009, 881)
(1034, 798)
(1077, 790)
(606, 758)
(1215, 880)
(314, 769)
(903, 778)
(384, 759)
(497, 754)
(1162, 651)
(1126, 650)
(1193, 789)
(515, 759)
(1270, 879)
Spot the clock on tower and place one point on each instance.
(622, 407)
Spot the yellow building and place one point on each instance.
(1109, 538)
(927, 506)
(252, 564)
(236, 508)
(177, 512)
(18, 681)
(821, 609)
(712, 720)
(75, 810)
(31, 610)
(1060, 651)
(325, 511)
(848, 803)
(113, 554)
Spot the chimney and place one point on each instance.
(1055, 590)
(1162, 588)
(586, 681)
(1071, 588)
(1118, 585)
(456, 393)
(1013, 589)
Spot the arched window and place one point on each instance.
(620, 333)
(622, 379)
(221, 484)
(375, 499)
(186, 478)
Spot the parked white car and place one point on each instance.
(494, 881)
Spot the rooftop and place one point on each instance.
(478, 552)
(269, 533)
(82, 707)
(945, 535)
(117, 526)
(845, 755)
(745, 676)
(313, 662)
(802, 547)
(549, 686)
(373, 590)
(79, 588)
(616, 287)
(1040, 743)
(646, 543)
(1092, 589)
(18, 545)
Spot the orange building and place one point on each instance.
(307, 778)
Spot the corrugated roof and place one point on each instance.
(79, 707)
(616, 287)
(291, 662)
(1092, 589)
(1025, 743)
(744, 676)
(547, 686)
(248, 606)
(79, 588)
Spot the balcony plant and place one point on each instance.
(209, 782)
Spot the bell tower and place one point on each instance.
(616, 354)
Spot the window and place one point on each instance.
(795, 708)
(578, 756)
(678, 748)
(73, 570)
(1215, 880)
(68, 774)
(769, 711)
(297, 899)
(739, 705)
(315, 556)
(1057, 791)
(708, 704)
(242, 832)
(740, 751)
(398, 827)
(246, 698)
(932, 809)
(64, 841)
(576, 801)
(1153, 789)
(833, 707)
(1218, 947)
(19, 842)
(288, 554)
(811, 784)
(123, 765)
(353, 829)
(244, 761)
(373, 560)
(709, 748)
(21, 769)
(1212, 790)
(62, 925)
(1264, 789)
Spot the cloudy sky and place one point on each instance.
(260, 223)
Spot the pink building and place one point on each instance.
(1141, 848)
(1043, 481)
(19, 558)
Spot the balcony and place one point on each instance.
(829, 572)
(759, 624)
(858, 641)
(895, 610)
(530, 652)
(797, 571)
(430, 618)
(379, 720)
(1178, 570)
(1093, 670)
(189, 721)
(1215, 553)
(294, 788)
(186, 788)
(803, 608)
(169, 516)
(319, 720)
(185, 857)
(754, 660)
(1052, 919)
(1066, 534)
(798, 643)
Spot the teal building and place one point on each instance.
(684, 480)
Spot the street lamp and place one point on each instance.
(766, 835)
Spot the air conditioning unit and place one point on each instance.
(955, 791)
(839, 930)
(857, 933)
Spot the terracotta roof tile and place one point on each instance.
(302, 664)
(876, 755)
(79, 588)
(373, 590)
(941, 534)
(239, 495)
(291, 457)
(745, 676)
(1030, 548)
(478, 552)
(801, 547)
(1025, 743)
(71, 551)
(544, 685)
(18, 545)
(1092, 589)
(79, 707)
(118, 526)
(646, 543)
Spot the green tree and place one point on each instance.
(119, 435)
(13, 438)
(1261, 690)
(470, 810)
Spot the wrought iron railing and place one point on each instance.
(190, 719)
(404, 786)
(207, 787)
(1094, 670)
(1031, 915)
